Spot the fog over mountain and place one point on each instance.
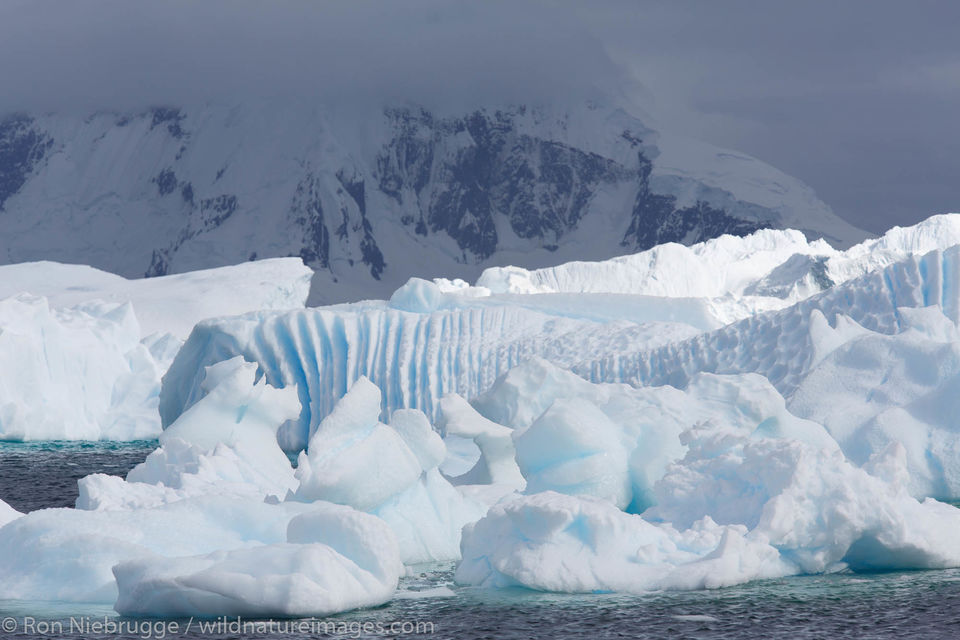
(109, 54)
(324, 89)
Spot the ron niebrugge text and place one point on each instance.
(160, 629)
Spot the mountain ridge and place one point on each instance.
(369, 199)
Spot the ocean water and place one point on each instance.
(919, 604)
(40, 475)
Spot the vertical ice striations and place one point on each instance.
(416, 358)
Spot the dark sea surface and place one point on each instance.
(39, 475)
(920, 604)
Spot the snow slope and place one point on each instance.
(372, 195)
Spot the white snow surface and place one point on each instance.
(167, 304)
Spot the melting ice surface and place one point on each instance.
(681, 419)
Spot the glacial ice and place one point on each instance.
(575, 448)
(818, 509)
(68, 554)
(336, 465)
(225, 444)
(464, 346)
(414, 358)
(417, 295)
(77, 373)
(167, 304)
(202, 528)
(710, 269)
(7, 513)
(336, 559)
(739, 506)
(602, 440)
(496, 463)
(555, 542)
(766, 270)
(558, 418)
(389, 470)
(871, 389)
(89, 347)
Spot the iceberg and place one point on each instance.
(780, 345)
(817, 508)
(209, 555)
(871, 390)
(463, 345)
(388, 470)
(414, 358)
(555, 542)
(587, 428)
(7, 513)
(202, 528)
(84, 350)
(496, 462)
(573, 447)
(68, 554)
(337, 559)
(170, 304)
(418, 296)
(766, 270)
(78, 373)
(740, 506)
(616, 441)
(224, 445)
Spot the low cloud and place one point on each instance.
(858, 99)
(119, 54)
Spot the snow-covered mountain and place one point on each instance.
(370, 197)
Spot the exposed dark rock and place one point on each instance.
(22, 147)
(657, 219)
(166, 181)
(171, 117)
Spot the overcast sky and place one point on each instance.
(857, 98)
